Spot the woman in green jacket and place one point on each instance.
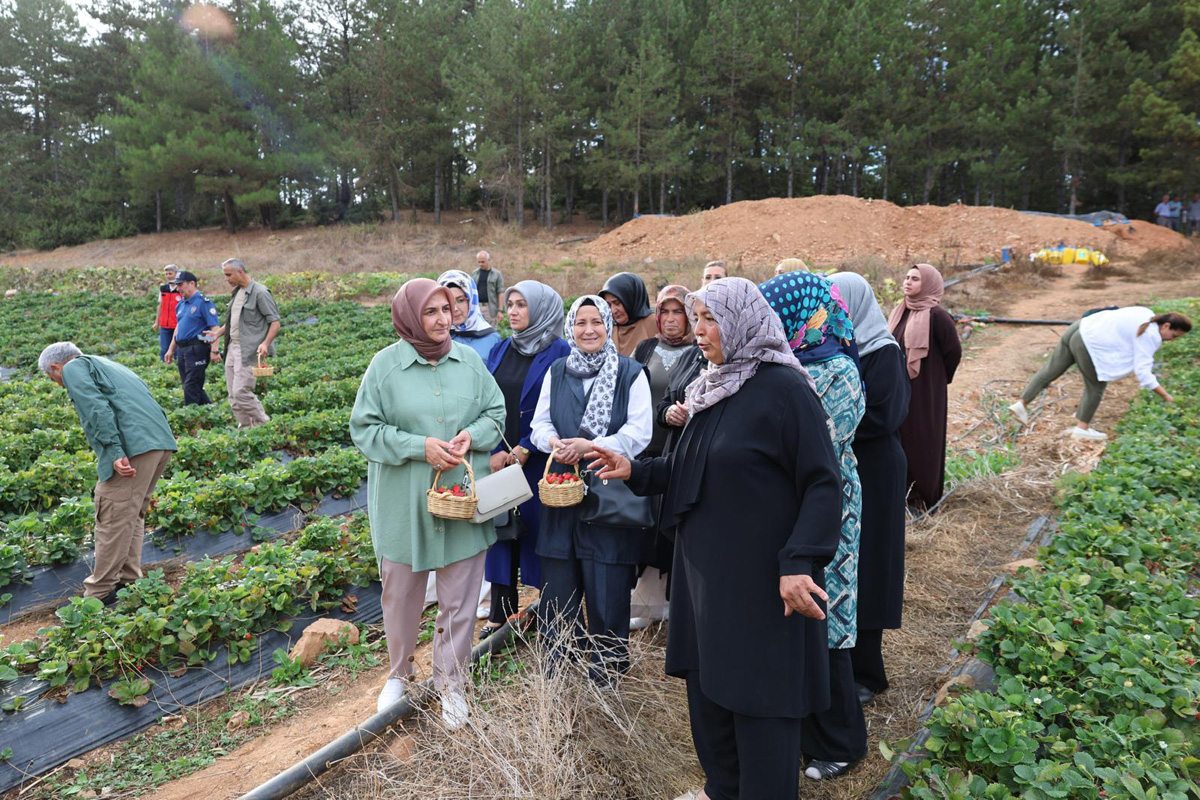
(425, 404)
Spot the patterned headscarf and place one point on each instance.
(602, 365)
(916, 332)
(815, 319)
(545, 316)
(474, 324)
(673, 292)
(751, 334)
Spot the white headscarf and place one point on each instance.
(602, 365)
(474, 323)
(870, 326)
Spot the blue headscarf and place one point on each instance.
(474, 325)
(815, 319)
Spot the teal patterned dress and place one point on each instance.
(841, 391)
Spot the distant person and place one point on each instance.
(791, 265)
(468, 326)
(168, 299)
(250, 330)
(1106, 346)
(882, 469)
(1162, 211)
(133, 443)
(490, 285)
(195, 342)
(929, 340)
(633, 319)
(1176, 208)
(713, 271)
(1193, 214)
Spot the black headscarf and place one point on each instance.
(631, 291)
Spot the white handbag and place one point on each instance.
(501, 491)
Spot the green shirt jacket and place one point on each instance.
(258, 313)
(115, 408)
(402, 400)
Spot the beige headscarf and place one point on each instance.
(791, 265)
(916, 333)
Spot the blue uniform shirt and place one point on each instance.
(194, 317)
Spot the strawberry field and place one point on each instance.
(1098, 689)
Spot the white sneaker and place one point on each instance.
(1087, 434)
(639, 623)
(483, 612)
(1018, 410)
(393, 690)
(454, 709)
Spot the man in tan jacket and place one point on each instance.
(249, 331)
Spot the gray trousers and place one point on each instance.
(1070, 350)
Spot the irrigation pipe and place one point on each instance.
(367, 732)
(977, 271)
(1009, 320)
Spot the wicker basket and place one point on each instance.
(560, 495)
(262, 369)
(446, 505)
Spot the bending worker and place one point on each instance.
(1106, 346)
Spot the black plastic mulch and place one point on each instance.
(47, 733)
(52, 584)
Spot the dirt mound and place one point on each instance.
(832, 229)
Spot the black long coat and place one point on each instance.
(768, 503)
(923, 433)
(882, 468)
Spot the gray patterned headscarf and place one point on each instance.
(602, 365)
(545, 316)
(870, 326)
(751, 334)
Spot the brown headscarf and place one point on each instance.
(916, 332)
(406, 317)
(680, 293)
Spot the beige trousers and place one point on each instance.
(121, 505)
(404, 600)
(239, 382)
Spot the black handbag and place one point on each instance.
(612, 504)
(510, 526)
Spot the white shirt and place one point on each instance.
(630, 440)
(1111, 339)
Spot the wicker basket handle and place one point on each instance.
(470, 475)
(546, 469)
(261, 361)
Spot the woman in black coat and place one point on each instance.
(882, 467)
(753, 490)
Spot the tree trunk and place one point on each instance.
(662, 193)
(1122, 160)
(604, 208)
(853, 180)
(394, 196)
(927, 189)
(520, 173)
(158, 210)
(729, 168)
(887, 168)
(437, 191)
(549, 202)
(570, 207)
(230, 213)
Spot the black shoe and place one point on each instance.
(487, 630)
(826, 770)
(111, 598)
(865, 695)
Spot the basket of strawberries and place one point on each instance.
(453, 502)
(560, 489)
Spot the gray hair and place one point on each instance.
(234, 264)
(57, 353)
(171, 267)
(484, 254)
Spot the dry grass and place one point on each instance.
(540, 733)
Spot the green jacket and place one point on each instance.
(118, 415)
(402, 400)
(257, 315)
(491, 291)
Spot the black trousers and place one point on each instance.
(839, 734)
(867, 657)
(744, 758)
(505, 601)
(192, 361)
(569, 585)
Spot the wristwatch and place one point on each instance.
(520, 450)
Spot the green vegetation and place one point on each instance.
(1098, 690)
(283, 112)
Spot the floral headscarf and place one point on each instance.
(815, 319)
(602, 365)
(474, 325)
(751, 334)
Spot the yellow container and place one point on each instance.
(1068, 255)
